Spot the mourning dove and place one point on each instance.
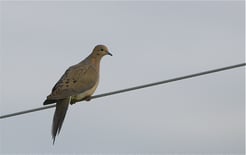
(78, 83)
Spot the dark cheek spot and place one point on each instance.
(74, 81)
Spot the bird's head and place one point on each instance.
(101, 50)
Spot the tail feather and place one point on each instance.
(60, 113)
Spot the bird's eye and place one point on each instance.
(101, 49)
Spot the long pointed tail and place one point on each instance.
(60, 113)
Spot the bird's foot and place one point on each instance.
(88, 98)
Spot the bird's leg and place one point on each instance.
(87, 98)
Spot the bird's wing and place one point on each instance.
(76, 79)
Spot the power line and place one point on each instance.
(134, 88)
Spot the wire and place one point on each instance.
(134, 88)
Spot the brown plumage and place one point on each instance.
(78, 83)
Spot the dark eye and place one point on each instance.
(101, 49)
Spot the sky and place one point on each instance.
(150, 42)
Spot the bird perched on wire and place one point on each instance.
(78, 83)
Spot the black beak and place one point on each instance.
(110, 54)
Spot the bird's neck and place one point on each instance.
(95, 60)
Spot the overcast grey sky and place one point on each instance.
(150, 41)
